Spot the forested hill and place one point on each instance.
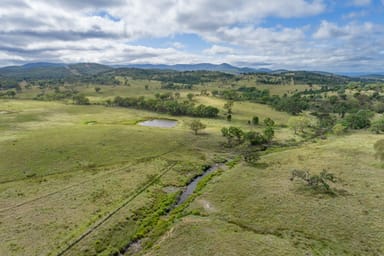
(103, 74)
(51, 70)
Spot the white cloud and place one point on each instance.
(329, 30)
(259, 38)
(107, 31)
(139, 19)
(219, 50)
(102, 51)
(74, 31)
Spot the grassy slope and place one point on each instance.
(59, 172)
(63, 167)
(249, 211)
(244, 111)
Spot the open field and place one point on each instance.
(88, 180)
(244, 111)
(248, 211)
(63, 168)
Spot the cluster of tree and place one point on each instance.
(68, 93)
(320, 124)
(7, 94)
(358, 120)
(337, 112)
(165, 103)
(312, 100)
(173, 86)
(57, 94)
(244, 93)
(8, 83)
(228, 107)
(301, 123)
(355, 121)
(302, 77)
(80, 99)
(270, 79)
(236, 136)
(319, 182)
(292, 104)
(170, 76)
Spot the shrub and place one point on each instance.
(316, 182)
(379, 149)
(377, 126)
(359, 120)
(339, 129)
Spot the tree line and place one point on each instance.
(166, 105)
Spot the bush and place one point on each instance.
(255, 120)
(379, 149)
(377, 126)
(255, 138)
(339, 129)
(359, 120)
(251, 157)
(269, 122)
(80, 99)
(316, 182)
(232, 133)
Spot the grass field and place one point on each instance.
(244, 111)
(250, 211)
(64, 167)
(87, 180)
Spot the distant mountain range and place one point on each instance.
(46, 70)
(364, 75)
(224, 67)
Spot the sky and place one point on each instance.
(326, 35)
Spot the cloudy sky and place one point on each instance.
(329, 35)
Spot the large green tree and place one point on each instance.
(299, 123)
(196, 126)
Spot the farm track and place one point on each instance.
(111, 214)
(125, 168)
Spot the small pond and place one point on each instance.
(162, 123)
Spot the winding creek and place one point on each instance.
(135, 246)
(192, 185)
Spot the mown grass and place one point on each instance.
(250, 211)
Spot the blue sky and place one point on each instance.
(328, 35)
